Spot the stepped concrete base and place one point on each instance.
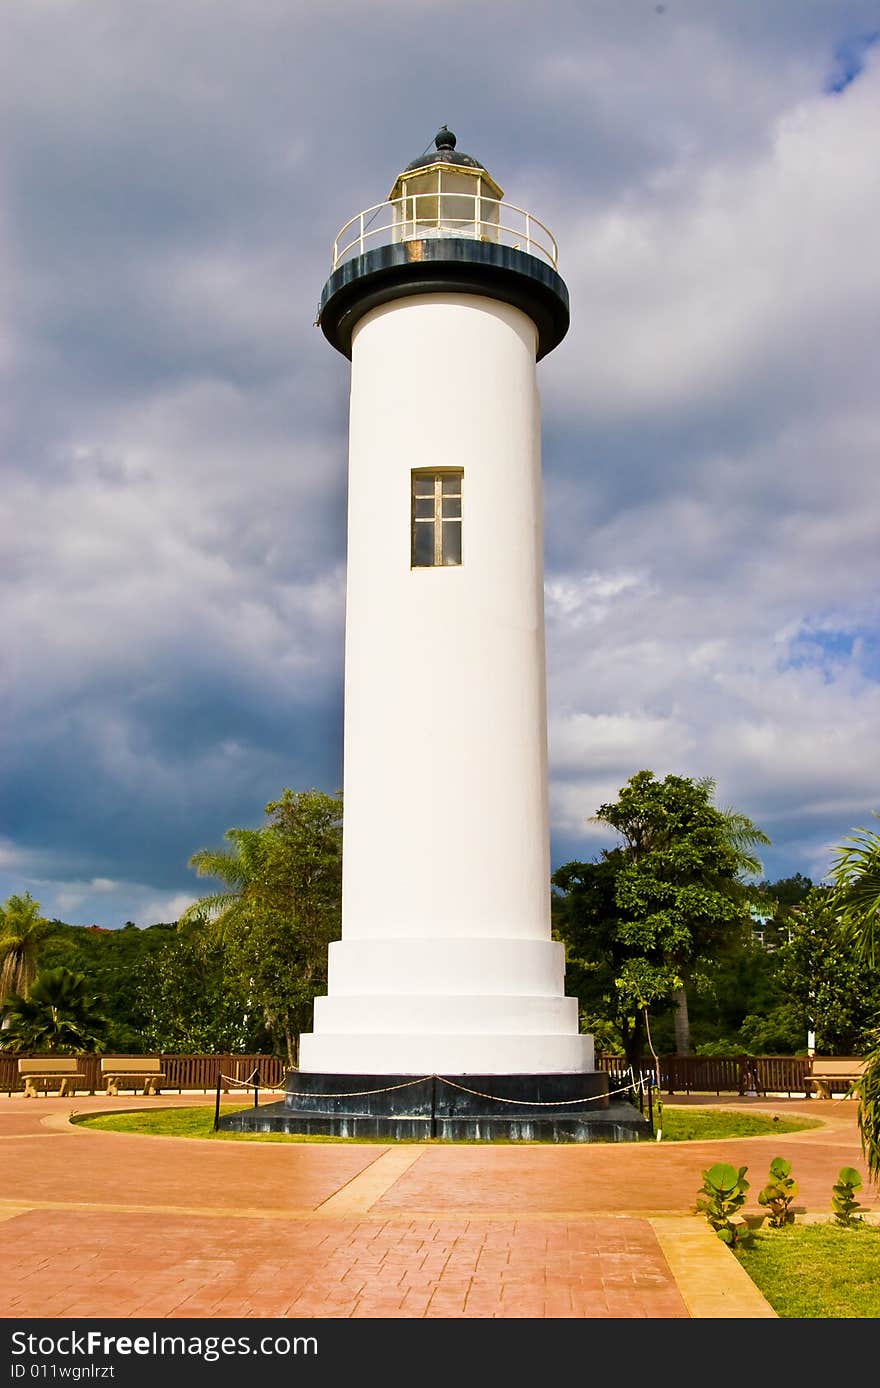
(521, 1049)
(476, 1108)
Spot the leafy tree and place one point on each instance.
(60, 1014)
(191, 1001)
(742, 1004)
(775, 905)
(779, 1031)
(653, 912)
(163, 988)
(120, 965)
(836, 992)
(786, 891)
(279, 908)
(22, 932)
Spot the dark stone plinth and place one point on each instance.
(462, 1108)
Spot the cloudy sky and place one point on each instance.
(174, 426)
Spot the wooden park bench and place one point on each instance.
(53, 1072)
(132, 1072)
(826, 1069)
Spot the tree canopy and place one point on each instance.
(653, 912)
(834, 990)
(278, 909)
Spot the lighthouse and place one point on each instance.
(444, 298)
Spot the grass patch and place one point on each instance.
(188, 1122)
(817, 1271)
(694, 1125)
(679, 1125)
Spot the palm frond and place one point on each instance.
(855, 873)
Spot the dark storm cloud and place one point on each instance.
(173, 506)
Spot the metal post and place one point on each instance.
(651, 1106)
(433, 1105)
(257, 1087)
(217, 1104)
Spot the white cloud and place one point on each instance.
(69, 896)
(168, 908)
(698, 287)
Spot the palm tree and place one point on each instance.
(867, 1090)
(855, 873)
(241, 870)
(59, 1014)
(22, 931)
(279, 900)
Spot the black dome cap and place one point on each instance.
(444, 153)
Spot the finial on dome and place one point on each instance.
(444, 139)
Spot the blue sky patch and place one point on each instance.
(849, 60)
(829, 648)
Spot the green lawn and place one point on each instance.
(817, 1271)
(186, 1122)
(694, 1124)
(679, 1125)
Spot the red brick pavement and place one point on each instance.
(110, 1225)
(635, 1177)
(84, 1263)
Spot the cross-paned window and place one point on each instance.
(436, 518)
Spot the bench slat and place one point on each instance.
(49, 1065)
(138, 1065)
(824, 1069)
(848, 1067)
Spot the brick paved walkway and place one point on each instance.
(111, 1225)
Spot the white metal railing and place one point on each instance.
(420, 216)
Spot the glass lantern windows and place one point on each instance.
(446, 200)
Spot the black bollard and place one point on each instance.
(217, 1104)
(257, 1087)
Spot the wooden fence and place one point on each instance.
(182, 1072)
(737, 1074)
(679, 1074)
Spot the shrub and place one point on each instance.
(778, 1193)
(722, 1194)
(844, 1201)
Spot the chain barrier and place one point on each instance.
(638, 1084)
(539, 1103)
(309, 1094)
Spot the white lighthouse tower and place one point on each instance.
(444, 298)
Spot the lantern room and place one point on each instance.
(445, 193)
